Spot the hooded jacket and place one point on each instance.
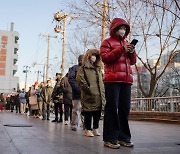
(116, 61)
(67, 91)
(90, 79)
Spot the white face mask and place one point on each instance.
(49, 84)
(93, 59)
(121, 32)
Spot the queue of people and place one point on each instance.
(101, 81)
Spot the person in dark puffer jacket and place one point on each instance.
(117, 55)
(76, 94)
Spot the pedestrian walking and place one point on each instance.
(57, 97)
(89, 77)
(76, 94)
(117, 55)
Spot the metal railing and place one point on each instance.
(160, 104)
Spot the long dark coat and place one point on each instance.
(67, 91)
(90, 79)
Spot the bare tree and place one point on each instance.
(172, 79)
(162, 6)
(154, 22)
(159, 24)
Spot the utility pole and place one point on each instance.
(38, 72)
(63, 47)
(103, 35)
(104, 17)
(48, 37)
(62, 17)
(26, 69)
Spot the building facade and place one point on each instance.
(8, 60)
(167, 85)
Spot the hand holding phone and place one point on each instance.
(134, 42)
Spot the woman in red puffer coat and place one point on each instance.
(118, 56)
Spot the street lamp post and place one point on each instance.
(58, 16)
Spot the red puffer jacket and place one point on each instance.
(116, 61)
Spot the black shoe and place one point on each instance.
(54, 120)
(60, 120)
(48, 119)
(126, 144)
(43, 119)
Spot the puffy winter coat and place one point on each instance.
(76, 93)
(90, 79)
(116, 61)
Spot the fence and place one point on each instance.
(160, 104)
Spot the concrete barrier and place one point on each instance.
(171, 117)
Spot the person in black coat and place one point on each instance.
(8, 103)
(57, 97)
(76, 94)
(67, 98)
(17, 102)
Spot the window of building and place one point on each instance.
(16, 39)
(15, 50)
(14, 61)
(14, 72)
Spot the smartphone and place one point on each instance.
(134, 42)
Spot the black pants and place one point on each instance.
(116, 113)
(88, 119)
(67, 111)
(18, 108)
(34, 112)
(58, 108)
(12, 107)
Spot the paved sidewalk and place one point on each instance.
(45, 137)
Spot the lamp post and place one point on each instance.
(62, 17)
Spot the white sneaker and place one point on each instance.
(88, 133)
(66, 122)
(96, 133)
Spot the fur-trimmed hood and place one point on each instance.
(86, 58)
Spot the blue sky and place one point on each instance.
(30, 19)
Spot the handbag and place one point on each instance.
(33, 100)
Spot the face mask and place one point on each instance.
(80, 63)
(121, 32)
(49, 84)
(93, 59)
